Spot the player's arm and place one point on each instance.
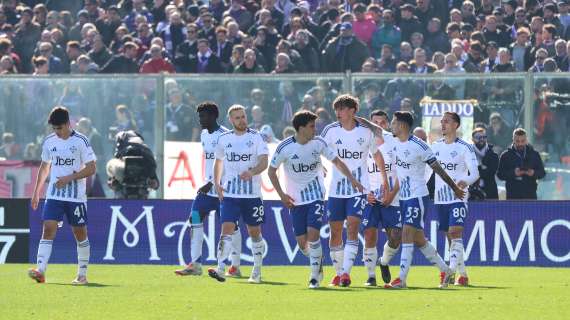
(262, 162)
(376, 129)
(285, 198)
(434, 164)
(218, 166)
(43, 173)
(89, 170)
(379, 159)
(471, 164)
(341, 166)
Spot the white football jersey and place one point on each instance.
(67, 157)
(458, 159)
(353, 148)
(304, 178)
(388, 152)
(240, 153)
(209, 141)
(411, 158)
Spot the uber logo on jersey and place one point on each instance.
(346, 154)
(210, 156)
(448, 166)
(234, 157)
(301, 167)
(59, 161)
(401, 163)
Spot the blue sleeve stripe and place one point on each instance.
(283, 144)
(321, 140)
(463, 142)
(419, 143)
(82, 137)
(330, 126)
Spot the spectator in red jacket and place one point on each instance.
(157, 63)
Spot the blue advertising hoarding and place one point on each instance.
(499, 233)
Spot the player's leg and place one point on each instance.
(336, 215)
(354, 211)
(313, 217)
(455, 233)
(370, 222)
(235, 255)
(392, 222)
(52, 214)
(254, 216)
(230, 211)
(77, 217)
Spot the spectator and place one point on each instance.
(249, 65)
(124, 121)
(488, 162)
(26, 37)
(323, 120)
(138, 9)
(84, 65)
(409, 23)
(309, 55)
(387, 61)
(203, 62)
(257, 117)
(222, 48)
(498, 134)
(504, 64)
(541, 55)
(406, 52)
(419, 65)
(344, 52)
(181, 122)
(387, 33)
(436, 39)
(363, 26)
(108, 24)
(125, 62)
(289, 132)
(561, 56)
(492, 58)
(438, 60)
(400, 88)
(7, 65)
(99, 54)
(520, 166)
(520, 50)
(85, 127)
(174, 33)
(157, 63)
(9, 149)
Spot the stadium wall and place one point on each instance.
(156, 232)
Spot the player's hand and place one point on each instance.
(462, 184)
(205, 188)
(35, 201)
(220, 192)
(246, 175)
(385, 190)
(370, 197)
(530, 172)
(519, 172)
(63, 181)
(459, 193)
(388, 198)
(287, 200)
(357, 185)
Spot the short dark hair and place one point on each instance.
(58, 116)
(519, 132)
(378, 113)
(209, 107)
(405, 117)
(346, 100)
(303, 118)
(453, 116)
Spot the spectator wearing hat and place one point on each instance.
(124, 62)
(387, 33)
(27, 35)
(492, 57)
(521, 50)
(409, 23)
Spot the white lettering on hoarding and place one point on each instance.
(501, 232)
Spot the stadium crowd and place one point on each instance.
(283, 36)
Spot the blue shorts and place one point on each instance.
(307, 215)
(376, 214)
(414, 211)
(451, 214)
(340, 208)
(250, 209)
(76, 212)
(202, 206)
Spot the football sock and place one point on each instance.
(44, 252)
(370, 256)
(224, 248)
(196, 241)
(431, 254)
(387, 254)
(315, 258)
(350, 252)
(83, 252)
(337, 256)
(456, 252)
(461, 262)
(236, 248)
(406, 260)
(257, 248)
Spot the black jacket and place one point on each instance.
(523, 187)
(487, 171)
(120, 64)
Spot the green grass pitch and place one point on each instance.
(154, 292)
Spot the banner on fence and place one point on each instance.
(433, 110)
(156, 232)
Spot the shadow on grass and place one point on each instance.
(269, 283)
(89, 285)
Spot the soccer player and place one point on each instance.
(412, 154)
(68, 159)
(352, 142)
(241, 155)
(458, 159)
(207, 200)
(376, 213)
(304, 180)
